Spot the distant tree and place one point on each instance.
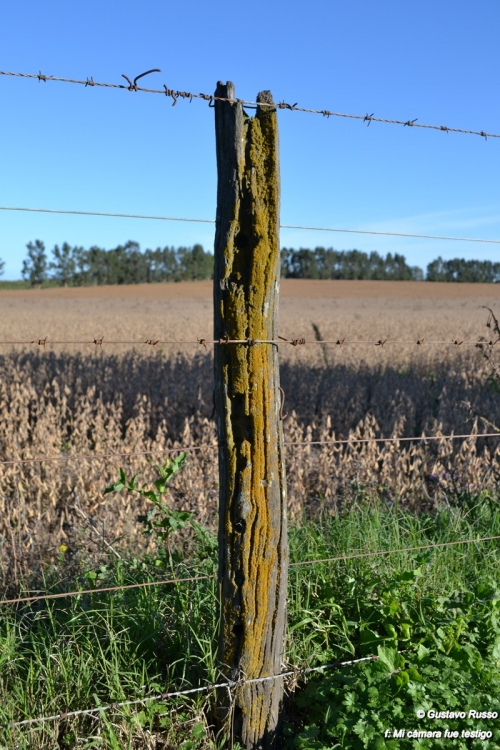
(461, 270)
(194, 263)
(2, 266)
(35, 265)
(436, 270)
(303, 264)
(81, 267)
(285, 262)
(64, 264)
(168, 264)
(327, 262)
(397, 269)
(355, 264)
(345, 264)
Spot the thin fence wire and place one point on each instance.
(338, 558)
(176, 95)
(342, 230)
(215, 446)
(102, 456)
(104, 589)
(293, 674)
(393, 551)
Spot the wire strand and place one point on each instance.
(214, 446)
(339, 558)
(393, 551)
(101, 456)
(282, 226)
(175, 95)
(65, 594)
(191, 691)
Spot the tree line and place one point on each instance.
(355, 264)
(346, 264)
(459, 269)
(127, 264)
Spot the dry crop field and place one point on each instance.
(73, 399)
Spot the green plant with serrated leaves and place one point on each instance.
(432, 651)
(161, 521)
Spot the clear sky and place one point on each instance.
(66, 146)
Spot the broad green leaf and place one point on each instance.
(198, 731)
(390, 657)
(422, 652)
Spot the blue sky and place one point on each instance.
(72, 147)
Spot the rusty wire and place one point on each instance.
(282, 226)
(215, 446)
(210, 98)
(293, 674)
(339, 558)
(381, 342)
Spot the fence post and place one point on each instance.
(253, 547)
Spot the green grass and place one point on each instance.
(14, 285)
(19, 284)
(439, 607)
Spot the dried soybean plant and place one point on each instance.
(70, 405)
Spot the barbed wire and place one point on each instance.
(215, 446)
(101, 341)
(339, 558)
(228, 684)
(210, 98)
(282, 226)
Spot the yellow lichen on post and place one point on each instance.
(253, 557)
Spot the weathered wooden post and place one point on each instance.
(253, 548)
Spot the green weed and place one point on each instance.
(430, 615)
